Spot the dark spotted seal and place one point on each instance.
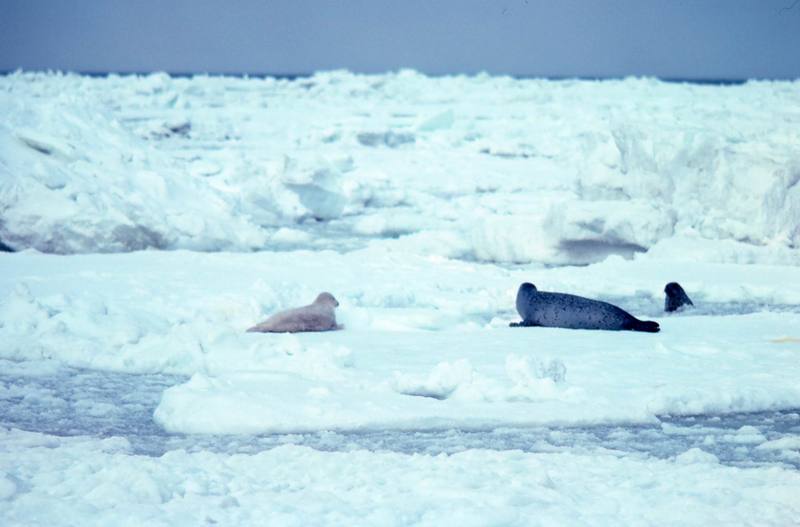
(676, 297)
(318, 316)
(560, 310)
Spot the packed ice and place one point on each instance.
(147, 221)
(559, 172)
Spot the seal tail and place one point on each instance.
(645, 325)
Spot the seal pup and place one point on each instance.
(318, 316)
(676, 297)
(560, 310)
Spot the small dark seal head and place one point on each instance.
(676, 297)
(318, 316)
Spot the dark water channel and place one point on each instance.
(74, 402)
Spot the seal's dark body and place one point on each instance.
(561, 310)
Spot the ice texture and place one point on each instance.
(147, 221)
(426, 343)
(90, 481)
(483, 168)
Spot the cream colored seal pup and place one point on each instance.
(318, 316)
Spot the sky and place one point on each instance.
(685, 39)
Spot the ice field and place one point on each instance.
(148, 221)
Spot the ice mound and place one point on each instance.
(701, 180)
(527, 380)
(694, 456)
(74, 180)
(314, 398)
(541, 171)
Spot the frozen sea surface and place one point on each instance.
(130, 391)
(487, 169)
(104, 404)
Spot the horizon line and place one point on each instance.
(303, 75)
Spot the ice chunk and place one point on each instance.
(696, 455)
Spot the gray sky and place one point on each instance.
(700, 39)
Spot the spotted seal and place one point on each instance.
(560, 310)
(318, 316)
(676, 297)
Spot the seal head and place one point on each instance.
(326, 299)
(317, 316)
(524, 294)
(562, 310)
(676, 297)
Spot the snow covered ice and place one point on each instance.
(154, 219)
(124, 163)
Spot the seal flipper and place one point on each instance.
(523, 324)
(645, 325)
